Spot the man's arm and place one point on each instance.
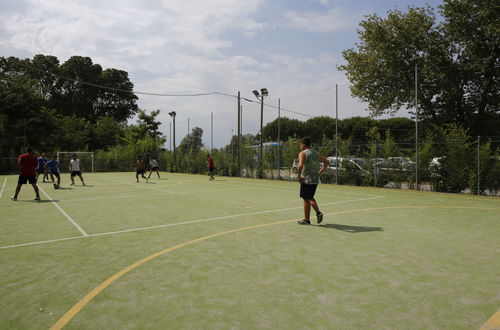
(70, 166)
(325, 162)
(302, 159)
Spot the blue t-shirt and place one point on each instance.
(41, 162)
(53, 166)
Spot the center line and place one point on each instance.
(65, 214)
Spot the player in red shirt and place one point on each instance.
(211, 167)
(26, 164)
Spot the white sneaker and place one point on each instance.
(13, 198)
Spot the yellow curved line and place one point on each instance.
(71, 313)
(493, 323)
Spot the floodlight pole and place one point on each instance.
(173, 114)
(261, 135)
(416, 128)
(279, 140)
(336, 134)
(239, 134)
(211, 131)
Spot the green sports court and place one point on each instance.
(184, 253)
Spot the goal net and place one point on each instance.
(86, 160)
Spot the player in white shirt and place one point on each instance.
(153, 166)
(74, 168)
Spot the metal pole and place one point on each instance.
(211, 131)
(261, 156)
(478, 167)
(336, 134)
(239, 134)
(279, 140)
(188, 126)
(170, 139)
(175, 159)
(416, 128)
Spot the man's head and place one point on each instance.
(29, 150)
(54, 157)
(43, 154)
(208, 155)
(305, 143)
(73, 156)
(138, 157)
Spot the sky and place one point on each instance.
(290, 47)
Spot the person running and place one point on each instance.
(27, 164)
(140, 169)
(75, 169)
(308, 176)
(211, 167)
(42, 160)
(52, 167)
(153, 165)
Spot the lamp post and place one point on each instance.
(173, 114)
(263, 93)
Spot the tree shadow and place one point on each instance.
(351, 229)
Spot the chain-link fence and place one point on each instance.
(453, 165)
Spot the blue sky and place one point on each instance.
(185, 46)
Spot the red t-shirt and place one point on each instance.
(27, 164)
(210, 162)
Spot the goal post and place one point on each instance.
(86, 157)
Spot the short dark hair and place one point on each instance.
(29, 149)
(306, 141)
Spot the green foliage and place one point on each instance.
(192, 142)
(457, 60)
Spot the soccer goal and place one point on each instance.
(86, 160)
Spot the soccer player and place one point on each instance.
(140, 169)
(26, 164)
(52, 167)
(74, 168)
(42, 160)
(308, 176)
(211, 168)
(153, 164)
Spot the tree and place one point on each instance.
(192, 142)
(456, 59)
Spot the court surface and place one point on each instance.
(183, 252)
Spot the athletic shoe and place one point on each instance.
(319, 216)
(37, 198)
(304, 222)
(14, 198)
(72, 184)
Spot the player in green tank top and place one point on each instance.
(308, 175)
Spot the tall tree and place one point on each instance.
(452, 57)
(192, 142)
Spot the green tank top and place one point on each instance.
(311, 167)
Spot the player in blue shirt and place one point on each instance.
(42, 160)
(53, 168)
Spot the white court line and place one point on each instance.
(3, 186)
(178, 223)
(65, 214)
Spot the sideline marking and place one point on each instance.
(493, 323)
(3, 186)
(173, 224)
(65, 214)
(75, 309)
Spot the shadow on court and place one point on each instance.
(351, 229)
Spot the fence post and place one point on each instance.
(478, 166)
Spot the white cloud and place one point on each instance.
(331, 21)
(184, 46)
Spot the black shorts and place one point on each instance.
(41, 170)
(140, 171)
(55, 173)
(210, 169)
(154, 168)
(23, 179)
(307, 191)
(75, 173)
